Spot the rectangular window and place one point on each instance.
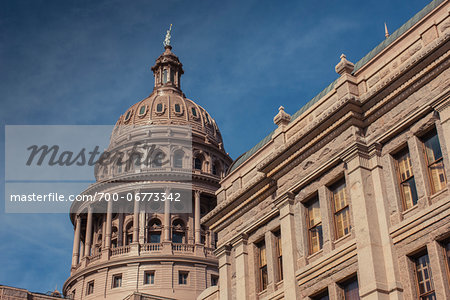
(262, 262)
(183, 277)
(321, 296)
(341, 209)
(279, 250)
(446, 245)
(117, 281)
(149, 277)
(350, 289)
(435, 163)
(424, 280)
(214, 280)
(90, 287)
(405, 177)
(314, 224)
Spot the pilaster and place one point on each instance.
(360, 188)
(223, 255)
(241, 260)
(285, 205)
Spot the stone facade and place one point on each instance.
(148, 250)
(323, 208)
(12, 293)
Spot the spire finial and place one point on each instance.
(167, 39)
(386, 32)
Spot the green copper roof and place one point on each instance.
(405, 27)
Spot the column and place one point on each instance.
(108, 226)
(167, 219)
(81, 250)
(103, 230)
(136, 220)
(76, 241)
(223, 254)
(285, 205)
(198, 237)
(241, 258)
(88, 237)
(121, 236)
(208, 239)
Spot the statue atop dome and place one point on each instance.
(167, 39)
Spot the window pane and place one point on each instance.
(177, 238)
(314, 213)
(155, 237)
(405, 166)
(432, 148)
(409, 193)
(339, 195)
(437, 175)
(424, 277)
(342, 223)
(264, 278)
(165, 76)
(262, 255)
(316, 238)
(197, 163)
(178, 160)
(351, 290)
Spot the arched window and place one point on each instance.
(158, 159)
(98, 244)
(178, 159)
(203, 235)
(127, 117)
(129, 233)
(216, 168)
(177, 108)
(114, 237)
(159, 108)
(197, 163)
(154, 231)
(105, 171)
(165, 76)
(178, 231)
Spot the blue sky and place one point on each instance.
(86, 62)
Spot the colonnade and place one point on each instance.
(166, 229)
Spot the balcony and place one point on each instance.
(147, 249)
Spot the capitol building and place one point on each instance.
(348, 198)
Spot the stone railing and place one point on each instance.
(151, 247)
(76, 267)
(209, 251)
(95, 257)
(182, 248)
(120, 250)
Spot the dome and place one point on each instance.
(167, 104)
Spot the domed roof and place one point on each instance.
(167, 104)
